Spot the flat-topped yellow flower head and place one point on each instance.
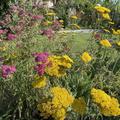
(58, 65)
(61, 97)
(105, 43)
(106, 30)
(50, 14)
(75, 26)
(61, 21)
(106, 16)
(102, 9)
(118, 43)
(86, 57)
(109, 106)
(74, 17)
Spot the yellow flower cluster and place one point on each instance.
(116, 32)
(50, 14)
(105, 43)
(61, 21)
(48, 109)
(58, 105)
(79, 106)
(106, 16)
(40, 82)
(58, 65)
(104, 12)
(74, 17)
(101, 9)
(109, 106)
(86, 57)
(46, 23)
(75, 26)
(106, 30)
(118, 43)
(61, 97)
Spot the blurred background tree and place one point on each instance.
(85, 10)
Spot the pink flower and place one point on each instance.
(11, 36)
(56, 25)
(14, 8)
(41, 57)
(42, 62)
(40, 68)
(21, 13)
(37, 17)
(97, 36)
(7, 70)
(2, 32)
(49, 33)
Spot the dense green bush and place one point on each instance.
(4, 5)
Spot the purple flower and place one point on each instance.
(48, 32)
(42, 62)
(40, 68)
(97, 36)
(56, 25)
(41, 57)
(7, 70)
(37, 17)
(11, 36)
(21, 13)
(2, 32)
(14, 8)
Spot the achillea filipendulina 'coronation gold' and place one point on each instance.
(105, 43)
(103, 11)
(57, 106)
(86, 57)
(109, 106)
(58, 64)
(74, 17)
(61, 97)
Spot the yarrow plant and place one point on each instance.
(11, 36)
(57, 107)
(103, 11)
(109, 106)
(48, 32)
(52, 65)
(67, 82)
(7, 70)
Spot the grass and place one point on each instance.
(79, 41)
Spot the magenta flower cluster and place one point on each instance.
(48, 32)
(56, 25)
(37, 17)
(42, 61)
(2, 32)
(11, 36)
(7, 70)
